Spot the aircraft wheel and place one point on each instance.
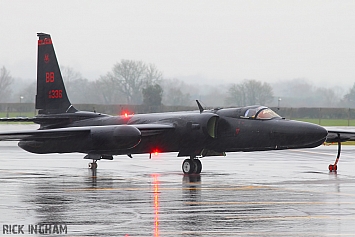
(93, 165)
(188, 166)
(198, 165)
(333, 168)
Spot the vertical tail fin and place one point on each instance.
(51, 95)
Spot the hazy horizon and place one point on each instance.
(206, 42)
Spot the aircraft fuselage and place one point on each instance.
(192, 133)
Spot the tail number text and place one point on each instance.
(55, 94)
(49, 77)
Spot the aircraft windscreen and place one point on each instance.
(267, 113)
(261, 113)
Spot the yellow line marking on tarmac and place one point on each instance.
(277, 217)
(267, 203)
(290, 217)
(234, 232)
(316, 191)
(180, 188)
(221, 233)
(313, 152)
(242, 188)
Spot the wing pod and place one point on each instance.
(114, 137)
(96, 139)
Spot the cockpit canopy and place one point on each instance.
(249, 112)
(260, 112)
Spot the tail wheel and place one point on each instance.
(333, 168)
(188, 166)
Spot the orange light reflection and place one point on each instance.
(156, 204)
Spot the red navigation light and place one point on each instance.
(125, 114)
(156, 152)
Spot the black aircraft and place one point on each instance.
(195, 134)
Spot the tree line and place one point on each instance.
(135, 82)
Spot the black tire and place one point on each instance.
(198, 165)
(188, 166)
(93, 165)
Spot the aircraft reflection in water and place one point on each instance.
(196, 134)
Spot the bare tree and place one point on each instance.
(259, 93)
(69, 75)
(106, 93)
(130, 77)
(249, 92)
(326, 97)
(176, 92)
(349, 98)
(236, 95)
(153, 74)
(301, 93)
(79, 89)
(5, 82)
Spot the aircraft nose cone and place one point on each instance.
(314, 134)
(295, 134)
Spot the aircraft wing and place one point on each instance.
(145, 129)
(17, 119)
(342, 135)
(43, 134)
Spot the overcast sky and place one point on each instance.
(214, 41)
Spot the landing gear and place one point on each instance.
(192, 166)
(93, 168)
(334, 168)
(198, 165)
(93, 165)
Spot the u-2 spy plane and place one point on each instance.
(193, 134)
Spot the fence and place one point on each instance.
(323, 116)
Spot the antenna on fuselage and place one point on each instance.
(199, 106)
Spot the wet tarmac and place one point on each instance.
(275, 193)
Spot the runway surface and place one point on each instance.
(275, 193)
